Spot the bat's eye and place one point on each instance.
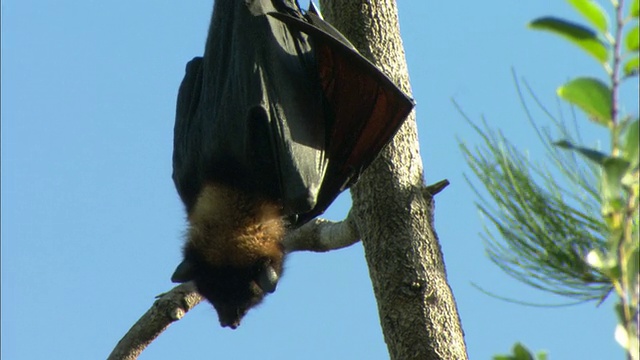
(267, 279)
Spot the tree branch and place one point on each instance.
(321, 235)
(169, 307)
(434, 189)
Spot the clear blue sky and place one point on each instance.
(92, 226)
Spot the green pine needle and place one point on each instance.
(542, 227)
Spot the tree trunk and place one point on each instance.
(394, 211)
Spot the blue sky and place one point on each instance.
(92, 226)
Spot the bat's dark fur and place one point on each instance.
(279, 116)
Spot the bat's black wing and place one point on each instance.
(259, 124)
(282, 106)
(184, 166)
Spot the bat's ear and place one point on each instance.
(183, 273)
(268, 279)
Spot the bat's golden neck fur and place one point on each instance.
(231, 228)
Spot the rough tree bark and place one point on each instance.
(392, 213)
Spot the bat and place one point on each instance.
(278, 117)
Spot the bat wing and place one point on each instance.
(368, 108)
(184, 164)
(257, 121)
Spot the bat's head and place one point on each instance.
(234, 251)
(231, 290)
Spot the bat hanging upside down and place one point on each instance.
(278, 117)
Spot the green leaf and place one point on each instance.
(542, 355)
(593, 155)
(613, 170)
(632, 39)
(584, 37)
(631, 67)
(630, 150)
(634, 9)
(521, 353)
(591, 95)
(592, 12)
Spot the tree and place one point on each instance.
(392, 213)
